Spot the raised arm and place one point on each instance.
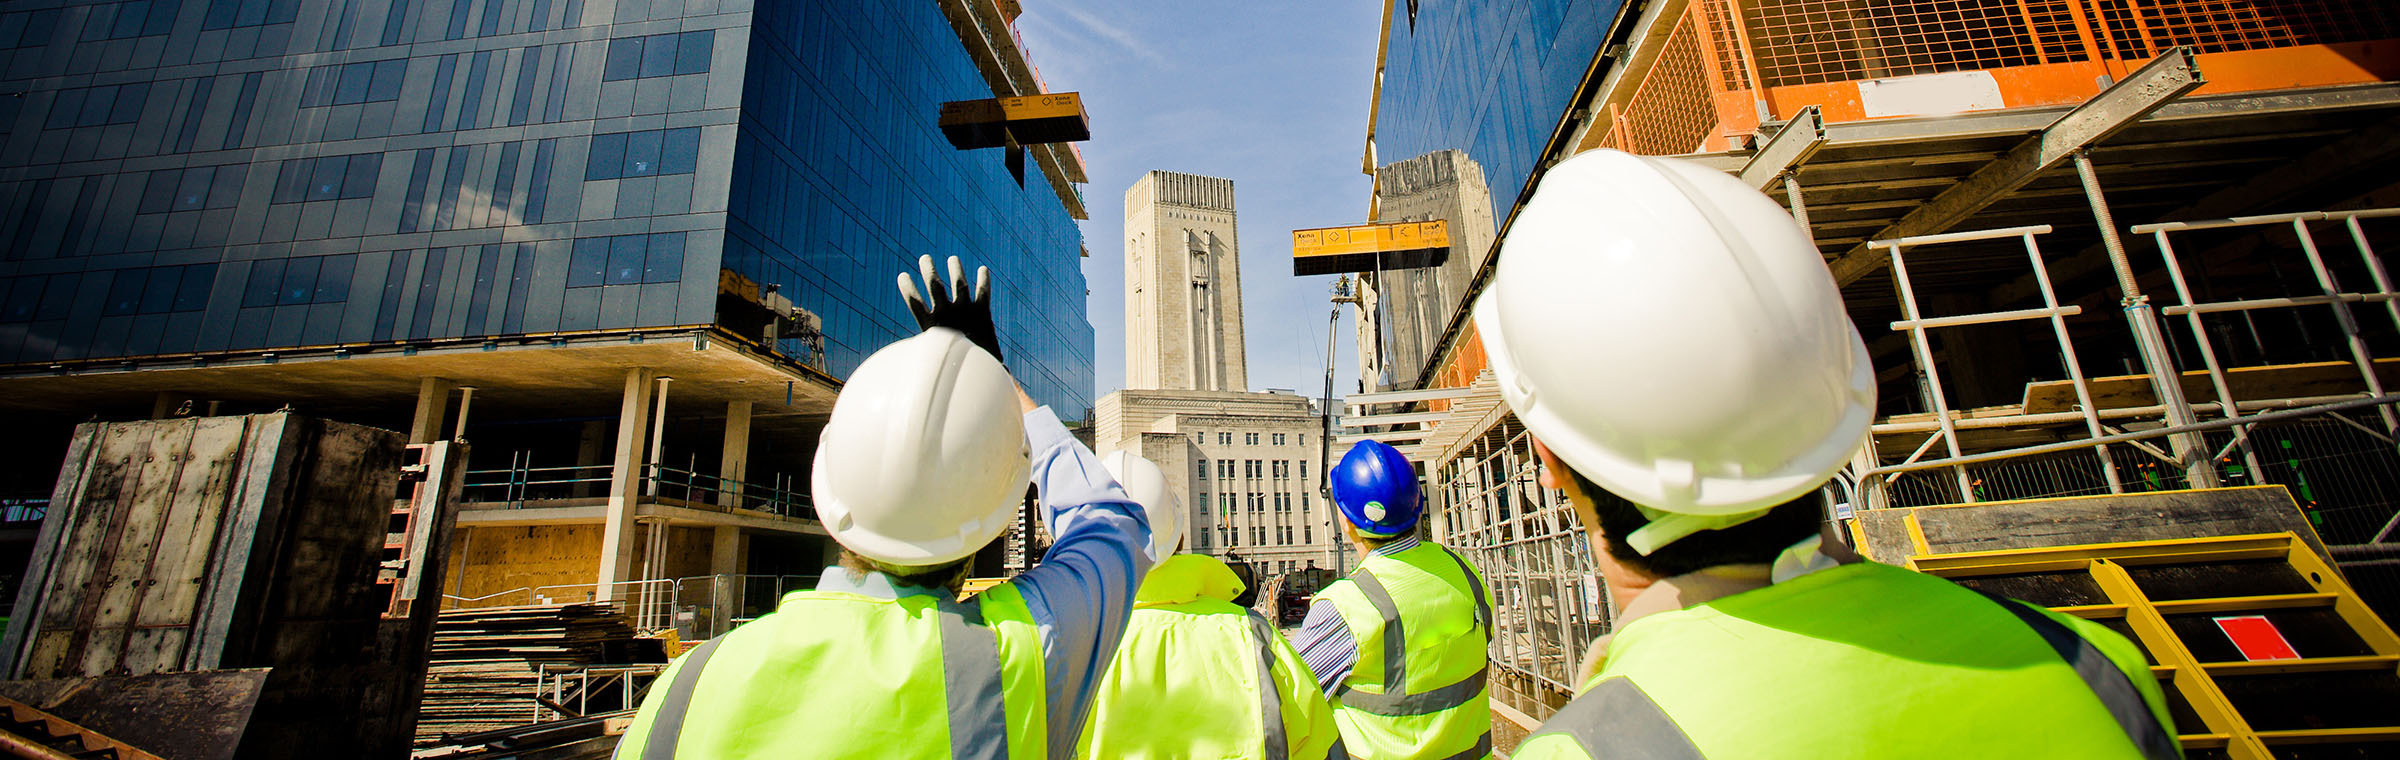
(1082, 591)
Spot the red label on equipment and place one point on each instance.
(2256, 636)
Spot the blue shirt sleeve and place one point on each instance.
(1326, 643)
(1081, 594)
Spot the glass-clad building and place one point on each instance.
(628, 249)
(1467, 98)
(840, 179)
(183, 177)
(1488, 78)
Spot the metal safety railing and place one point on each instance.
(1915, 325)
(574, 691)
(2330, 294)
(697, 607)
(648, 604)
(521, 485)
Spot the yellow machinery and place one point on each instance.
(2340, 697)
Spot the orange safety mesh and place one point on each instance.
(1815, 41)
(1725, 40)
(2140, 29)
(1675, 109)
(1812, 41)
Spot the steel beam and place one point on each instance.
(1791, 146)
(2172, 74)
(1360, 421)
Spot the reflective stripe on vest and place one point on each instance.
(669, 725)
(2117, 692)
(1396, 699)
(970, 681)
(1483, 608)
(1270, 700)
(1482, 748)
(1618, 716)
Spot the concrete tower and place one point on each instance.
(1183, 285)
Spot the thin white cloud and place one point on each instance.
(1113, 33)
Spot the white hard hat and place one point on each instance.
(924, 459)
(1671, 334)
(1147, 484)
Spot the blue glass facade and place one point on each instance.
(195, 176)
(841, 180)
(1490, 78)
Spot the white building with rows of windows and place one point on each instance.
(1248, 467)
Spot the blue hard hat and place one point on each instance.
(1376, 488)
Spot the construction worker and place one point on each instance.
(924, 462)
(1399, 645)
(1681, 356)
(1197, 675)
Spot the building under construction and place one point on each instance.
(2114, 260)
(630, 250)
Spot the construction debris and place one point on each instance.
(487, 664)
(27, 732)
(584, 738)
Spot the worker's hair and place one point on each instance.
(952, 576)
(1754, 542)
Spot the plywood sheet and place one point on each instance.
(497, 560)
(1890, 537)
(2247, 384)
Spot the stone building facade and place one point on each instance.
(1183, 285)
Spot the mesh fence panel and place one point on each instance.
(1547, 599)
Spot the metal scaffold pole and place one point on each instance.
(1342, 294)
(2190, 449)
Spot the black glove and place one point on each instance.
(952, 306)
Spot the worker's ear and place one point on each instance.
(1549, 475)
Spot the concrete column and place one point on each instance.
(618, 538)
(726, 553)
(433, 404)
(591, 449)
(734, 466)
(727, 556)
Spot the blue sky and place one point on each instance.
(1272, 95)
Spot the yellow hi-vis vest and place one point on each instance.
(1863, 661)
(1423, 624)
(841, 675)
(1200, 677)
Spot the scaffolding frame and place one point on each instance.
(1915, 326)
(2179, 422)
(2330, 295)
(1548, 601)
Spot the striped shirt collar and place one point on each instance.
(1405, 543)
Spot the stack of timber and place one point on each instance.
(588, 738)
(486, 663)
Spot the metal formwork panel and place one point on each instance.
(2332, 696)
